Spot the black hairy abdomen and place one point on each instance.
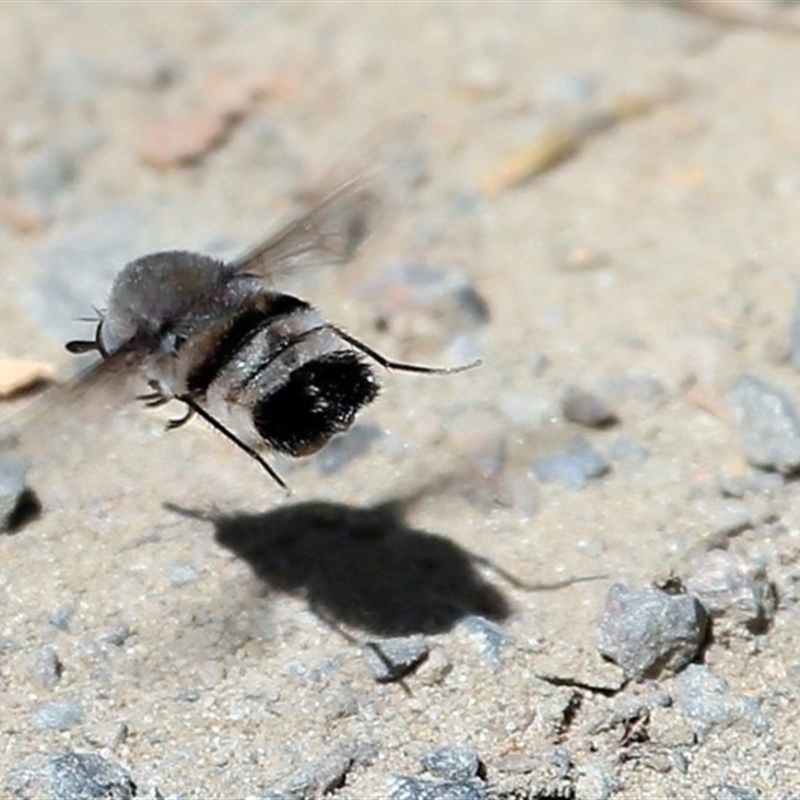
(239, 332)
(319, 399)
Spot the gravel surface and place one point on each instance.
(602, 204)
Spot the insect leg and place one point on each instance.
(400, 365)
(153, 399)
(177, 423)
(215, 423)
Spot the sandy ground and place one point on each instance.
(181, 617)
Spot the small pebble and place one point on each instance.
(734, 590)
(491, 637)
(452, 763)
(730, 791)
(117, 635)
(47, 667)
(770, 425)
(57, 716)
(70, 776)
(594, 782)
(587, 409)
(650, 631)
(392, 659)
(548, 773)
(705, 700)
(61, 618)
(575, 466)
(187, 696)
(408, 788)
(436, 667)
(324, 774)
(182, 574)
(18, 503)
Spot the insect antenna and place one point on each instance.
(215, 423)
(387, 363)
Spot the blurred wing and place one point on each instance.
(85, 398)
(341, 218)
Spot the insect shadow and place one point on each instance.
(361, 567)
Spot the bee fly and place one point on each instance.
(262, 367)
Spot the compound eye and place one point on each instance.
(171, 341)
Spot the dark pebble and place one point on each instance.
(575, 466)
(769, 423)
(392, 659)
(18, 503)
(70, 776)
(57, 716)
(407, 788)
(650, 631)
(585, 408)
(452, 763)
(734, 590)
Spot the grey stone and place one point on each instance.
(391, 659)
(650, 631)
(585, 408)
(182, 574)
(452, 763)
(547, 772)
(769, 423)
(47, 667)
(734, 590)
(61, 618)
(705, 699)
(730, 791)
(117, 635)
(408, 788)
(491, 638)
(595, 782)
(575, 466)
(323, 775)
(59, 716)
(70, 776)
